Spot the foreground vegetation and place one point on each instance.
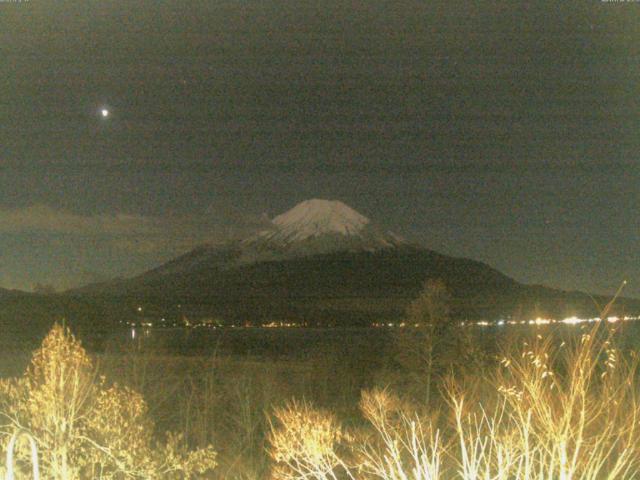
(438, 404)
(85, 427)
(549, 412)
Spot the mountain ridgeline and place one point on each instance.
(323, 263)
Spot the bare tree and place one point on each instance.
(425, 346)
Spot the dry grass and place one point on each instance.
(549, 411)
(545, 409)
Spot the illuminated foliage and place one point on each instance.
(549, 411)
(306, 443)
(85, 427)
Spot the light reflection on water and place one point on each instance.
(299, 342)
(296, 342)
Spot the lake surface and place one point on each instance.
(290, 342)
(301, 342)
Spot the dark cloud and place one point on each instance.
(44, 246)
(42, 218)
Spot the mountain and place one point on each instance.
(312, 227)
(323, 262)
(322, 226)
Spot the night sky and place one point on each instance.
(507, 132)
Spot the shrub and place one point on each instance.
(550, 411)
(306, 443)
(559, 411)
(85, 427)
(402, 445)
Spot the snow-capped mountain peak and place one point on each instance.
(319, 226)
(316, 217)
(313, 227)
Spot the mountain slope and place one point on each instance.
(312, 227)
(323, 262)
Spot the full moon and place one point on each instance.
(104, 112)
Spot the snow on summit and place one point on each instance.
(318, 226)
(313, 227)
(316, 217)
